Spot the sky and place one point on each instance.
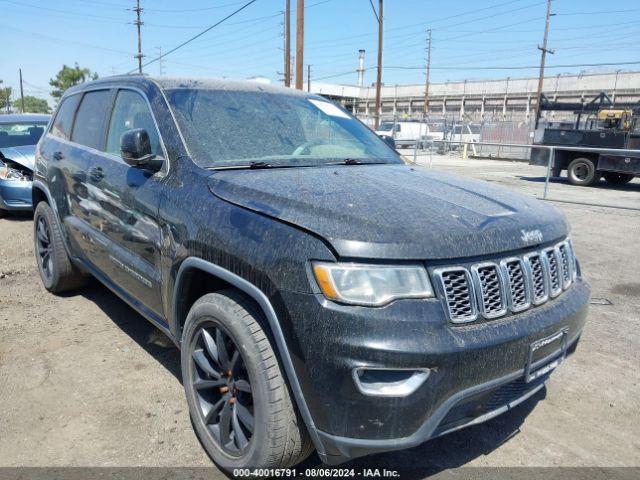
(470, 39)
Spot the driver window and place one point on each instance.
(131, 111)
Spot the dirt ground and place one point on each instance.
(85, 381)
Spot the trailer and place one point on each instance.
(611, 130)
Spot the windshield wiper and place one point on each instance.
(353, 161)
(252, 165)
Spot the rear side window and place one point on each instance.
(64, 118)
(131, 111)
(88, 128)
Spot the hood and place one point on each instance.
(24, 155)
(394, 211)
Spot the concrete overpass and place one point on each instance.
(477, 100)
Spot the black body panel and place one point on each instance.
(259, 230)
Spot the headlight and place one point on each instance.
(7, 173)
(371, 285)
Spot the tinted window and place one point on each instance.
(131, 111)
(18, 134)
(64, 119)
(87, 129)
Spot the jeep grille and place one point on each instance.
(492, 289)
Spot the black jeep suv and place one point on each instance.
(323, 294)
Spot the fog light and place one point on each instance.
(389, 382)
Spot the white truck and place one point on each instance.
(406, 133)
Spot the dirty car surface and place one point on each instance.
(19, 135)
(285, 248)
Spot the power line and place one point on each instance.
(251, 20)
(187, 10)
(374, 10)
(65, 12)
(186, 42)
(350, 72)
(520, 67)
(64, 41)
(341, 40)
(602, 12)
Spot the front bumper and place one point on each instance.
(15, 195)
(468, 364)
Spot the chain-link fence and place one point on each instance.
(450, 133)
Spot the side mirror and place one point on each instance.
(388, 139)
(135, 148)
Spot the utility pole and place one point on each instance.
(21, 91)
(308, 77)
(287, 44)
(426, 84)
(543, 57)
(379, 73)
(299, 44)
(138, 24)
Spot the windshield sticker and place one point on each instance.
(330, 109)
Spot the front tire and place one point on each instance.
(618, 178)
(582, 171)
(238, 399)
(56, 270)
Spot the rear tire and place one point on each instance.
(618, 178)
(57, 272)
(242, 411)
(582, 171)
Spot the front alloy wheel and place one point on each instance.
(222, 388)
(239, 401)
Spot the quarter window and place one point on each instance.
(64, 118)
(131, 111)
(88, 127)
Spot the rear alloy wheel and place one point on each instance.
(582, 171)
(238, 399)
(57, 272)
(618, 178)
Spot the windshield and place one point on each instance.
(385, 127)
(237, 128)
(468, 129)
(19, 134)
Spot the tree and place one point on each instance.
(33, 105)
(68, 77)
(5, 96)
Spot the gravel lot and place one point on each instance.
(85, 381)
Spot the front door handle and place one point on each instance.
(79, 177)
(96, 174)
